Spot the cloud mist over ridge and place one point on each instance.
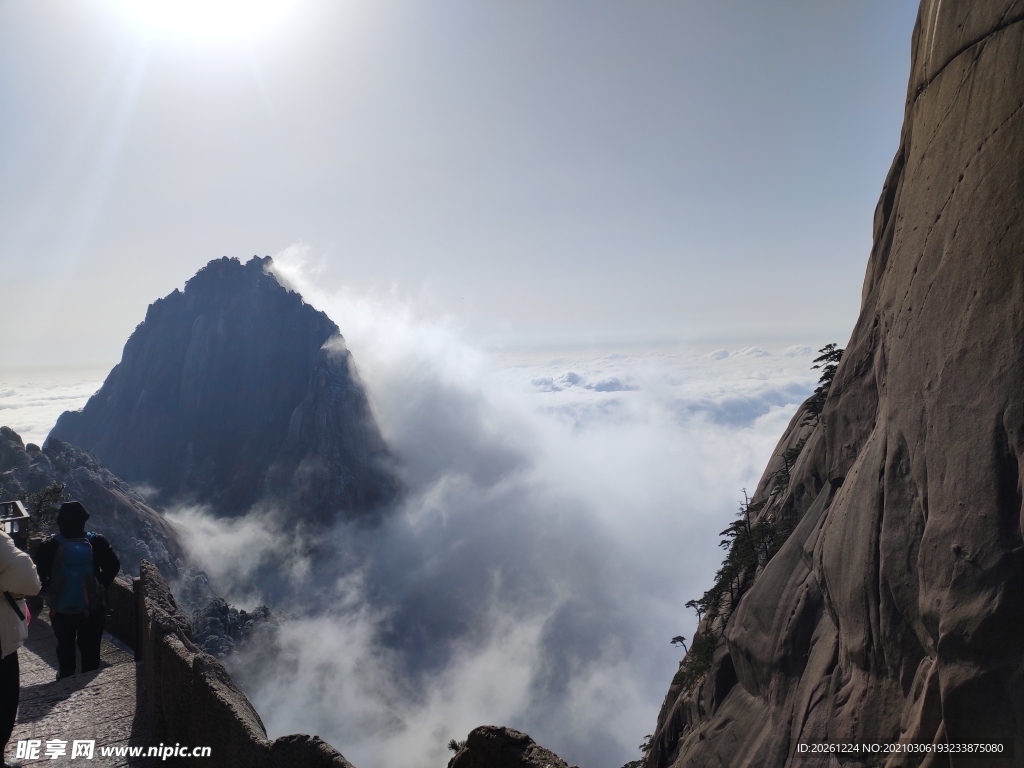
(558, 515)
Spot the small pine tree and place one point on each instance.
(698, 661)
(789, 457)
(751, 542)
(828, 363)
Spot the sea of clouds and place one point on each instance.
(31, 400)
(559, 511)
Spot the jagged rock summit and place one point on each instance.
(235, 390)
(894, 612)
(491, 746)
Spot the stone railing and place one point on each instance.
(189, 695)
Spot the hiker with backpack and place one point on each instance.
(76, 567)
(17, 579)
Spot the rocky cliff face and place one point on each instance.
(134, 529)
(137, 532)
(233, 390)
(895, 610)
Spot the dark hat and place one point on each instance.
(72, 514)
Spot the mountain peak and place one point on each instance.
(233, 390)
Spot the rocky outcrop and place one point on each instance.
(491, 746)
(894, 612)
(134, 529)
(218, 628)
(190, 698)
(234, 390)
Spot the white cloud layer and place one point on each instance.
(31, 401)
(559, 513)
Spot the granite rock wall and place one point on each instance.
(895, 610)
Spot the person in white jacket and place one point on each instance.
(18, 578)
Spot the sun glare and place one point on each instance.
(207, 20)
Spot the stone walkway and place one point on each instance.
(105, 706)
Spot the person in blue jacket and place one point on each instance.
(76, 567)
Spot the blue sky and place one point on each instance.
(571, 173)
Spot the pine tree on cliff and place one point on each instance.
(828, 362)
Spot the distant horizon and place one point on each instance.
(511, 354)
(499, 344)
(85, 380)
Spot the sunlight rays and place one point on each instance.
(206, 20)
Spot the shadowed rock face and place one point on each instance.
(232, 390)
(491, 746)
(135, 530)
(895, 611)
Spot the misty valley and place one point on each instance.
(384, 546)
